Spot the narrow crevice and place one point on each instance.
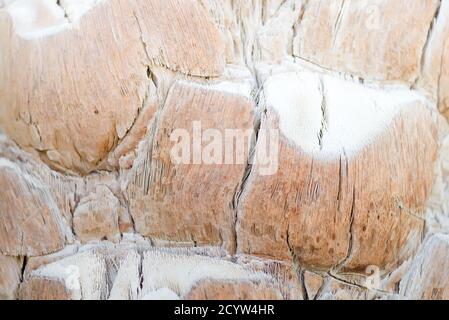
(140, 272)
(248, 58)
(143, 105)
(278, 9)
(295, 262)
(150, 78)
(340, 181)
(337, 23)
(426, 44)
(143, 179)
(305, 294)
(354, 284)
(144, 44)
(351, 228)
(22, 270)
(124, 202)
(321, 289)
(293, 255)
(342, 263)
(66, 16)
(324, 120)
(243, 183)
(147, 174)
(74, 206)
(112, 269)
(139, 114)
(289, 245)
(345, 281)
(296, 26)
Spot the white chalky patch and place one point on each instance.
(328, 116)
(242, 88)
(180, 272)
(127, 280)
(75, 9)
(299, 113)
(161, 294)
(40, 18)
(83, 274)
(239, 88)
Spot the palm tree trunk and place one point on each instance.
(204, 149)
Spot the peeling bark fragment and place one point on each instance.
(136, 133)
(187, 275)
(88, 272)
(96, 217)
(120, 272)
(377, 40)
(182, 36)
(81, 276)
(31, 222)
(355, 199)
(81, 87)
(191, 199)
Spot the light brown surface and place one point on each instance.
(373, 39)
(80, 90)
(92, 206)
(69, 116)
(45, 289)
(31, 222)
(189, 202)
(228, 290)
(96, 216)
(337, 212)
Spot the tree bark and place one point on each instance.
(204, 149)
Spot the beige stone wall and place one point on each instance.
(355, 94)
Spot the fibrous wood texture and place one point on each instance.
(206, 149)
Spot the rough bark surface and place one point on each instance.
(347, 100)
